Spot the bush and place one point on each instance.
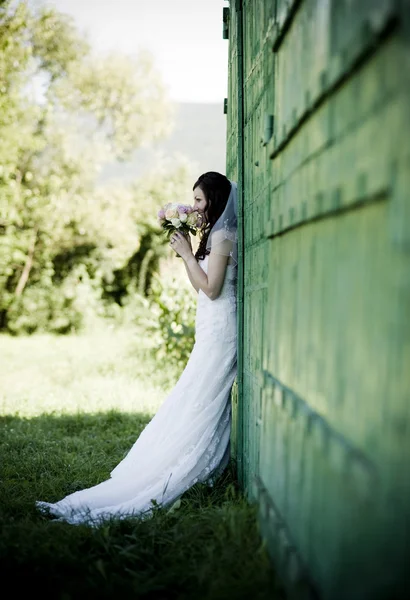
(69, 307)
(172, 321)
(42, 309)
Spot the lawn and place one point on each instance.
(70, 408)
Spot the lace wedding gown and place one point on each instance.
(187, 441)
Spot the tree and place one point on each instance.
(53, 217)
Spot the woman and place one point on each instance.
(187, 441)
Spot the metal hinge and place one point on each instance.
(225, 21)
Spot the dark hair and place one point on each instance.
(216, 189)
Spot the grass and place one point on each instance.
(71, 407)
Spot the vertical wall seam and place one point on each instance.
(241, 253)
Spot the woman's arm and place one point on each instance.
(212, 283)
(194, 285)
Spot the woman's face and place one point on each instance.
(200, 202)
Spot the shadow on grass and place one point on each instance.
(50, 456)
(209, 548)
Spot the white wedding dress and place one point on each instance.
(188, 439)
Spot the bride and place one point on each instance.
(187, 441)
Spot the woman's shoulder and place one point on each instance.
(218, 236)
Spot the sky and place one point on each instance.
(184, 36)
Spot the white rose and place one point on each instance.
(176, 222)
(183, 217)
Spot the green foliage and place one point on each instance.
(134, 271)
(172, 321)
(56, 43)
(42, 308)
(65, 308)
(56, 220)
(124, 97)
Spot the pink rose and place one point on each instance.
(171, 213)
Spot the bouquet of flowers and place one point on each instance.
(179, 217)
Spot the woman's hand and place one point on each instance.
(181, 244)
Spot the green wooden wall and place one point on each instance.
(321, 409)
